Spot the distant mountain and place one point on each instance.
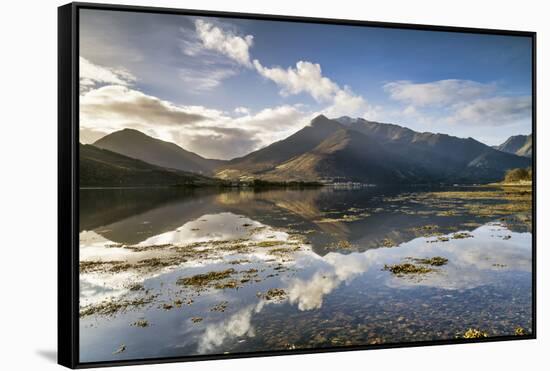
(103, 168)
(359, 150)
(135, 144)
(521, 145)
(448, 158)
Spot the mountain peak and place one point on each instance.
(520, 145)
(138, 145)
(319, 118)
(346, 120)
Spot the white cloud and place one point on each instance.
(92, 74)
(208, 132)
(238, 325)
(204, 80)
(308, 78)
(495, 111)
(459, 102)
(305, 78)
(439, 92)
(119, 106)
(228, 137)
(346, 103)
(223, 41)
(241, 110)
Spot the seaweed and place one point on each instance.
(140, 323)
(205, 279)
(220, 307)
(407, 268)
(520, 331)
(473, 333)
(110, 307)
(436, 261)
(275, 294)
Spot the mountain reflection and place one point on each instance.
(363, 217)
(320, 250)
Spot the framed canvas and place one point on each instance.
(238, 185)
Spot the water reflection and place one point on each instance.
(283, 255)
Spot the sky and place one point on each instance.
(223, 87)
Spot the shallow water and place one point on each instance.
(324, 250)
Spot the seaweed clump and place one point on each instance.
(436, 261)
(473, 333)
(461, 235)
(109, 307)
(275, 294)
(204, 279)
(141, 323)
(422, 266)
(407, 268)
(220, 307)
(520, 331)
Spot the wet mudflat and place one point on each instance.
(175, 272)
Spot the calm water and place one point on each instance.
(321, 252)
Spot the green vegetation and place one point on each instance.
(265, 184)
(103, 168)
(518, 175)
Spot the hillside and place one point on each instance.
(521, 145)
(359, 150)
(135, 144)
(103, 168)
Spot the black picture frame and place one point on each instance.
(68, 170)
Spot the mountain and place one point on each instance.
(370, 152)
(269, 157)
(103, 168)
(135, 144)
(521, 145)
(348, 155)
(448, 158)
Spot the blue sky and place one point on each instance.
(224, 87)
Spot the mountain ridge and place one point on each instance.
(136, 144)
(521, 145)
(103, 168)
(342, 149)
(425, 157)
